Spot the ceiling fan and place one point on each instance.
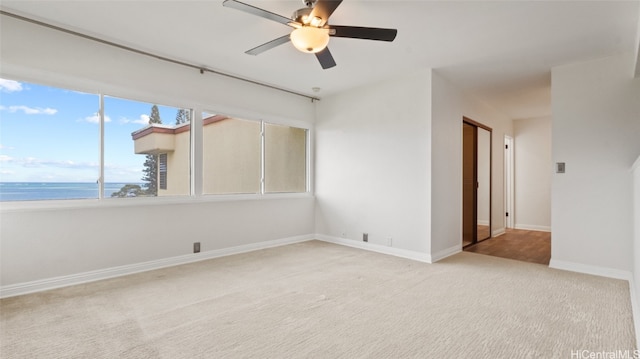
(311, 29)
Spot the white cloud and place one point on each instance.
(33, 162)
(29, 162)
(3, 147)
(7, 172)
(10, 86)
(95, 118)
(142, 120)
(30, 110)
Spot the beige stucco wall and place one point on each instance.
(231, 157)
(285, 159)
(178, 167)
(154, 143)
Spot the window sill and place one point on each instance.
(21, 206)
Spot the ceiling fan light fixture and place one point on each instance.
(315, 21)
(310, 39)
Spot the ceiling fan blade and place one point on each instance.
(326, 59)
(258, 12)
(269, 45)
(323, 9)
(367, 33)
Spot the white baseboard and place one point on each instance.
(403, 253)
(532, 227)
(446, 253)
(100, 274)
(589, 269)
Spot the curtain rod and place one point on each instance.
(149, 54)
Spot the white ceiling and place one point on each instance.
(501, 52)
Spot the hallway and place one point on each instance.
(518, 244)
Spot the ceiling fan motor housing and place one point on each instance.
(309, 3)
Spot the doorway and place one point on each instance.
(520, 241)
(476, 182)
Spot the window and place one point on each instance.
(61, 144)
(239, 155)
(48, 143)
(51, 138)
(232, 155)
(137, 136)
(285, 156)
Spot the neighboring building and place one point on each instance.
(171, 145)
(232, 156)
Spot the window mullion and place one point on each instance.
(196, 158)
(101, 176)
(262, 158)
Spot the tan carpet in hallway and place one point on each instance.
(318, 300)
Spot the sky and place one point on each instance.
(50, 134)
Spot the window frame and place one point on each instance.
(196, 159)
(263, 121)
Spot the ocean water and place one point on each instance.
(34, 191)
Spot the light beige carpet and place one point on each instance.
(318, 300)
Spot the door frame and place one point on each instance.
(477, 125)
(509, 182)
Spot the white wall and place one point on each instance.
(43, 243)
(636, 69)
(449, 105)
(596, 131)
(46, 243)
(533, 169)
(372, 163)
(636, 240)
(389, 163)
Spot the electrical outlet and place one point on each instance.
(365, 237)
(196, 247)
(389, 241)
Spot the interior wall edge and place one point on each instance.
(447, 252)
(635, 308)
